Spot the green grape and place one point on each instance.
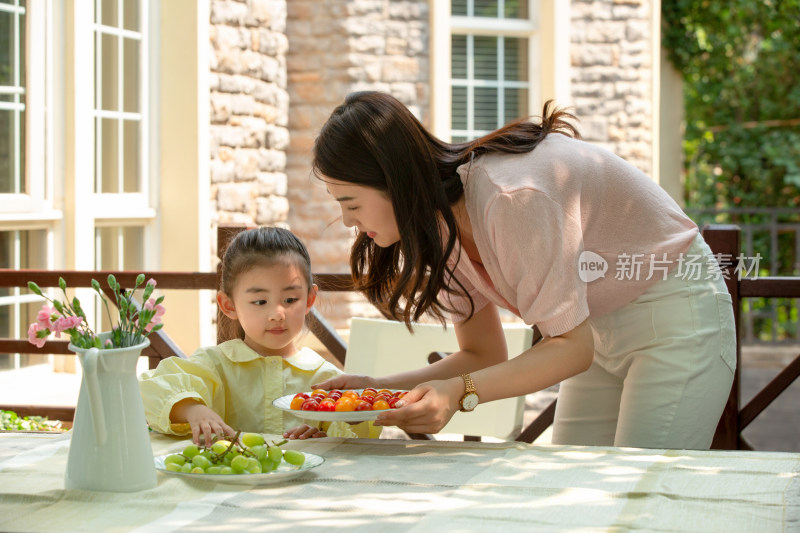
(251, 439)
(197, 470)
(275, 454)
(294, 457)
(186, 468)
(190, 451)
(173, 467)
(201, 461)
(220, 446)
(253, 466)
(214, 469)
(259, 451)
(239, 463)
(175, 458)
(226, 471)
(268, 465)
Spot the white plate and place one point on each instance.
(284, 403)
(283, 472)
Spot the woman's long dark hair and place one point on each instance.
(373, 140)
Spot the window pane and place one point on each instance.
(108, 13)
(458, 68)
(120, 248)
(485, 58)
(516, 104)
(130, 16)
(108, 70)
(516, 9)
(8, 42)
(20, 249)
(8, 152)
(459, 108)
(516, 59)
(130, 156)
(130, 87)
(108, 155)
(486, 8)
(458, 8)
(485, 109)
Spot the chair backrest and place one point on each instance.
(381, 347)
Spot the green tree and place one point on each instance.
(741, 65)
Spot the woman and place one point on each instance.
(562, 233)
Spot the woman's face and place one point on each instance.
(367, 209)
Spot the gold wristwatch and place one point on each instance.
(470, 399)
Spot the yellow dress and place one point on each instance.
(239, 385)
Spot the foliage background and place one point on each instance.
(740, 60)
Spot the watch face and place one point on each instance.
(469, 402)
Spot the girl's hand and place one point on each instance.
(347, 381)
(303, 432)
(202, 421)
(426, 408)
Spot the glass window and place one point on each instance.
(18, 308)
(12, 97)
(117, 248)
(489, 68)
(119, 121)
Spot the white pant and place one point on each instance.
(662, 370)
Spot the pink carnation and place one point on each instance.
(152, 282)
(34, 335)
(45, 317)
(65, 323)
(160, 310)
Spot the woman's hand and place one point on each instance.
(303, 432)
(426, 408)
(202, 421)
(347, 381)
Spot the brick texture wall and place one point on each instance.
(336, 47)
(612, 76)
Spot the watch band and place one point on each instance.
(470, 398)
(469, 386)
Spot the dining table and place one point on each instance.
(392, 485)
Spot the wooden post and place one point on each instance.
(724, 242)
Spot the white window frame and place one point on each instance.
(548, 53)
(128, 207)
(35, 203)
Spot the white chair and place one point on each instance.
(381, 347)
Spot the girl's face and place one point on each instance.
(368, 209)
(271, 303)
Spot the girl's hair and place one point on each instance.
(264, 246)
(373, 140)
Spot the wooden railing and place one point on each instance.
(723, 240)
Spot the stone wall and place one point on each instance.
(336, 47)
(249, 112)
(612, 76)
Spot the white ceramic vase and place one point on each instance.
(110, 446)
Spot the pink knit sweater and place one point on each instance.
(538, 219)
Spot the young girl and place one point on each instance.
(267, 291)
(637, 320)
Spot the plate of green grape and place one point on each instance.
(246, 459)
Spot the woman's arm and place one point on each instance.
(432, 404)
(481, 341)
